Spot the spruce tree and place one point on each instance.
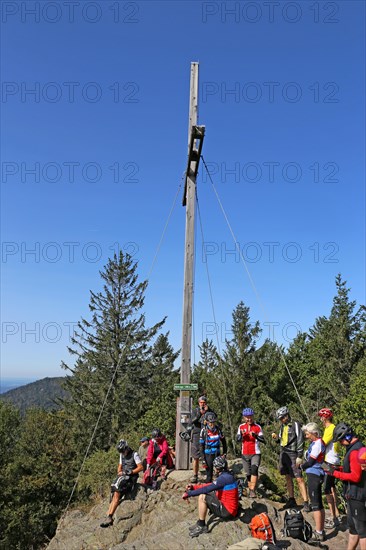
(112, 351)
(324, 360)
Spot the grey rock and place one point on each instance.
(159, 520)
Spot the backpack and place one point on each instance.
(261, 528)
(151, 475)
(296, 527)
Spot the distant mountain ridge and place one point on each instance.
(42, 394)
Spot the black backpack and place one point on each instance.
(296, 527)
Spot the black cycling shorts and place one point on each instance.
(356, 518)
(315, 491)
(216, 506)
(329, 483)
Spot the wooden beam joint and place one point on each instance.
(194, 155)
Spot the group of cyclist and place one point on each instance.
(220, 495)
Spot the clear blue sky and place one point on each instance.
(105, 132)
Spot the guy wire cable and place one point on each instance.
(119, 361)
(217, 335)
(252, 283)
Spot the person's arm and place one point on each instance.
(164, 449)
(224, 444)
(150, 452)
(327, 436)
(316, 450)
(204, 489)
(238, 435)
(258, 434)
(310, 462)
(355, 474)
(300, 442)
(139, 468)
(202, 442)
(277, 438)
(195, 415)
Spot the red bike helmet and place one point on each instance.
(325, 413)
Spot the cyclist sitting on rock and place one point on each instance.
(129, 466)
(158, 452)
(220, 497)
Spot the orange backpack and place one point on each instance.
(262, 528)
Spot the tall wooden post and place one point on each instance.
(195, 135)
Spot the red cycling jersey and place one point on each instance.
(250, 444)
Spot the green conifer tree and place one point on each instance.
(113, 353)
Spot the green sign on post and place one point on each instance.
(186, 387)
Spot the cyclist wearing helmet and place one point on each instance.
(354, 485)
(129, 466)
(250, 434)
(220, 497)
(331, 457)
(291, 440)
(210, 439)
(196, 424)
(158, 451)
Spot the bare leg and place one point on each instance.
(334, 495)
(319, 517)
(253, 482)
(202, 507)
(353, 542)
(332, 506)
(290, 486)
(114, 504)
(196, 464)
(302, 487)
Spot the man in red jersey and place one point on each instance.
(354, 485)
(250, 434)
(220, 497)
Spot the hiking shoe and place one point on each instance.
(307, 507)
(198, 530)
(194, 479)
(108, 522)
(193, 527)
(332, 523)
(317, 537)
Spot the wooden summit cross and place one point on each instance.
(195, 142)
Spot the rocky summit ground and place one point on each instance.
(159, 520)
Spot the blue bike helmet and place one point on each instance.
(247, 412)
